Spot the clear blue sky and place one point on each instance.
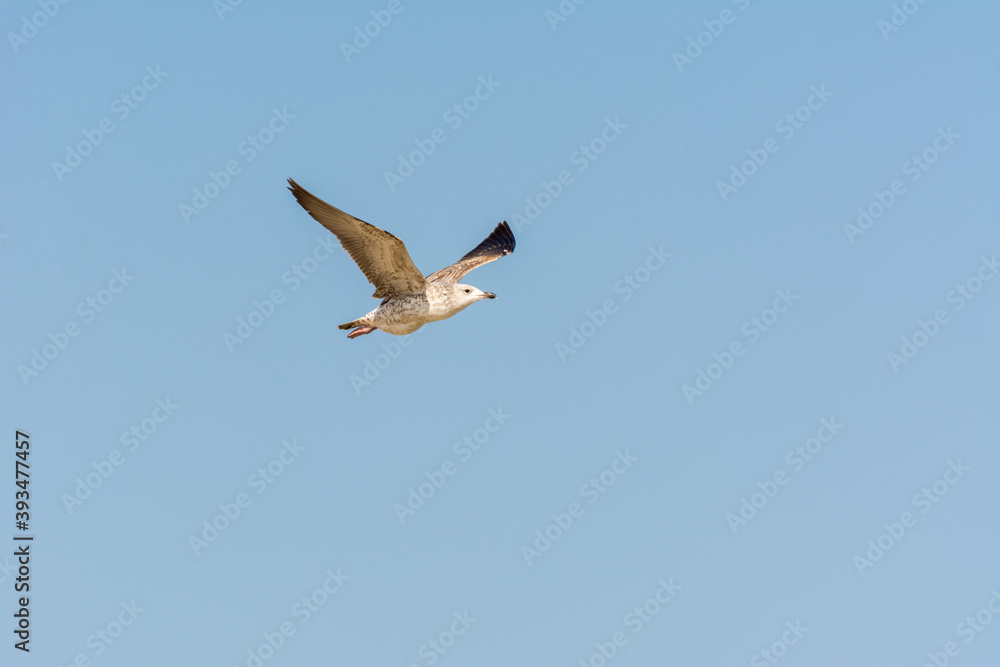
(741, 377)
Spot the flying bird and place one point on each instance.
(409, 299)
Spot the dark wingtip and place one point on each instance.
(513, 242)
(503, 238)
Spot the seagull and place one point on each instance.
(409, 299)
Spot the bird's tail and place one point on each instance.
(352, 324)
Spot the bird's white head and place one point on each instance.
(467, 294)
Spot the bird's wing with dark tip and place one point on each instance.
(496, 245)
(381, 256)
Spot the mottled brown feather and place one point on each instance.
(381, 256)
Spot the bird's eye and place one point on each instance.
(467, 291)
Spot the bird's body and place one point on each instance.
(401, 315)
(409, 300)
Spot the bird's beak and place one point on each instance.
(489, 295)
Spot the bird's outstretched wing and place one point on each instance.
(496, 245)
(381, 256)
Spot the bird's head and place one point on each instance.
(467, 294)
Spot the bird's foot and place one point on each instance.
(360, 331)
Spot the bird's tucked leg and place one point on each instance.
(361, 331)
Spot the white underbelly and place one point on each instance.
(400, 328)
(406, 316)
